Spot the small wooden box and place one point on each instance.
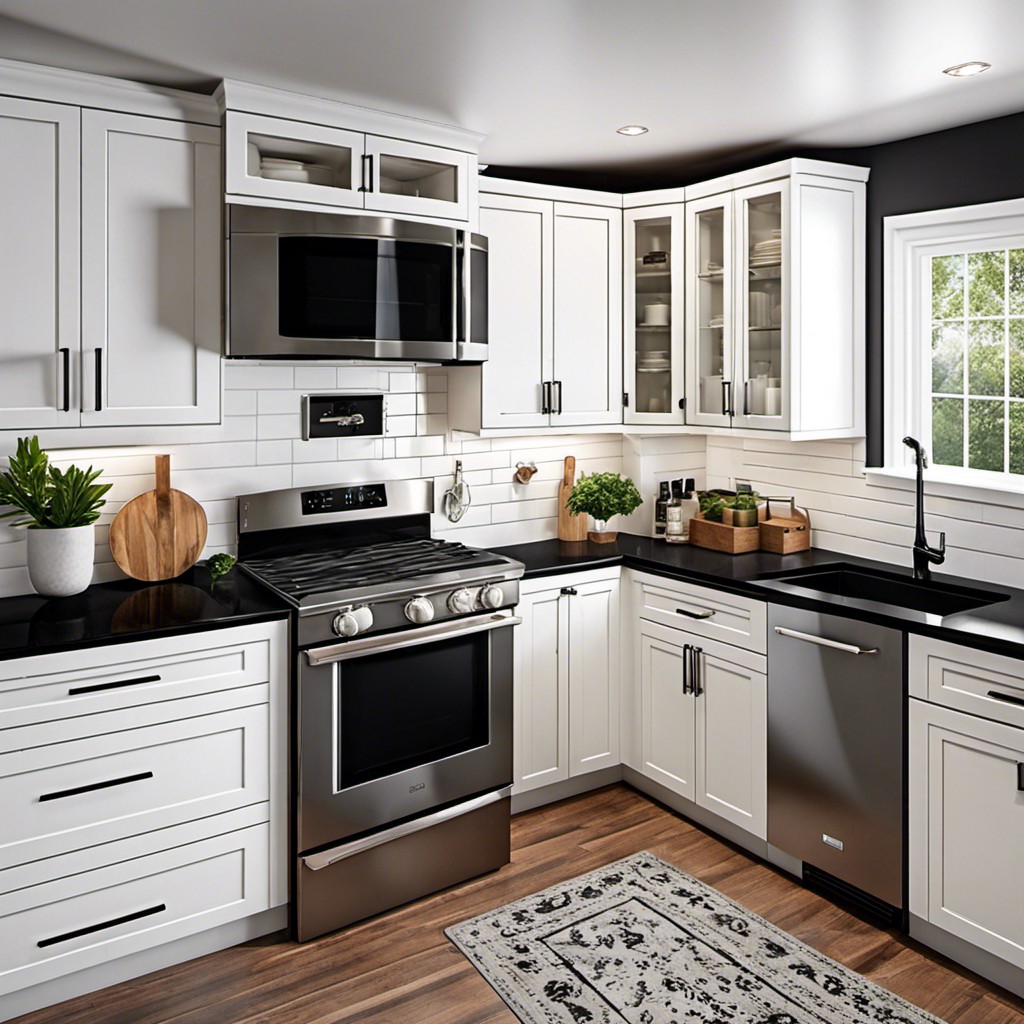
(783, 535)
(733, 540)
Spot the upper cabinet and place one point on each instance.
(775, 300)
(112, 268)
(283, 149)
(554, 309)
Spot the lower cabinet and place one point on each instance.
(703, 722)
(967, 797)
(566, 678)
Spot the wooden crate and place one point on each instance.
(733, 540)
(784, 535)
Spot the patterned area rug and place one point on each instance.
(642, 942)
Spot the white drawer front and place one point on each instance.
(94, 790)
(94, 680)
(77, 922)
(990, 685)
(715, 614)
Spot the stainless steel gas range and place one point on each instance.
(402, 698)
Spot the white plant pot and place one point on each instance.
(60, 561)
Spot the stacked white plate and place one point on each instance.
(279, 169)
(767, 252)
(651, 362)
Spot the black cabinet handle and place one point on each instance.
(695, 670)
(1020, 776)
(65, 357)
(545, 401)
(569, 591)
(705, 613)
(89, 929)
(746, 398)
(92, 786)
(99, 380)
(367, 170)
(1006, 698)
(116, 685)
(686, 669)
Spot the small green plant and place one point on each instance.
(220, 565)
(603, 495)
(45, 497)
(713, 503)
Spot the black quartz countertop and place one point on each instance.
(997, 627)
(129, 610)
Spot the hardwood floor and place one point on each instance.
(400, 967)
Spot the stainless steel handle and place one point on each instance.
(704, 613)
(409, 638)
(558, 408)
(822, 641)
(65, 356)
(355, 420)
(325, 858)
(696, 669)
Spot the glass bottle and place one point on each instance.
(674, 515)
(660, 504)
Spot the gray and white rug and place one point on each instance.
(642, 942)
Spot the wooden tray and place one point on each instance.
(733, 540)
(784, 535)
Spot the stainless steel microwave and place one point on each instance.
(323, 285)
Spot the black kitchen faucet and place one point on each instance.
(924, 555)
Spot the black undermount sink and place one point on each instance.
(859, 583)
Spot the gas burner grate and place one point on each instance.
(324, 571)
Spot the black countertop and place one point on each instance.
(997, 627)
(129, 610)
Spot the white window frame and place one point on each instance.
(910, 241)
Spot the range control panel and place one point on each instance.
(344, 499)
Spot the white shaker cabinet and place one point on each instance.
(554, 310)
(151, 271)
(566, 678)
(39, 259)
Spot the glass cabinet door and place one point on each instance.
(653, 327)
(406, 177)
(710, 311)
(761, 357)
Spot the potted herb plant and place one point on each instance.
(603, 496)
(60, 509)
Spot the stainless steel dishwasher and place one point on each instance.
(835, 751)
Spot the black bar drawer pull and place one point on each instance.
(65, 355)
(90, 928)
(92, 786)
(695, 671)
(96, 687)
(568, 591)
(686, 669)
(1007, 698)
(704, 613)
(1020, 776)
(99, 380)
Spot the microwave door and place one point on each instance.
(388, 316)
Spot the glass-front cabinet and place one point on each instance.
(653, 329)
(761, 360)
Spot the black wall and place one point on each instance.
(976, 163)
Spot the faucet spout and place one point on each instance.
(924, 555)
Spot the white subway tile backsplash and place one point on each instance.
(316, 378)
(257, 377)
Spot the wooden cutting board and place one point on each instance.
(159, 534)
(570, 527)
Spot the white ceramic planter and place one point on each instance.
(60, 561)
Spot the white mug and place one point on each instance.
(656, 314)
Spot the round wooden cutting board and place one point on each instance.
(159, 534)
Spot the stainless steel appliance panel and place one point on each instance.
(835, 747)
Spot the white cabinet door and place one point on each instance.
(732, 776)
(39, 265)
(541, 701)
(520, 303)
(411, 178)
(593, 676)
(587, 366)
(667, 726)
(151, 271)
(967, 828)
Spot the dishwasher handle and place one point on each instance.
(823, 641)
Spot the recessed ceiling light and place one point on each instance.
(965, 70)
(632, 129)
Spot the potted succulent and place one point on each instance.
(603, 496)
(60, 509)
(732, 509)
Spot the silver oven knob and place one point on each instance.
(419, 610)
(490, 596)
(461, 601)
(354, 621)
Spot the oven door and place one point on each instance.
(393, 727)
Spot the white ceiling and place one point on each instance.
(549, 81)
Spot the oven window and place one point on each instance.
(377, 289)
(407, 708)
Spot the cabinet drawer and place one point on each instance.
(60, 797)
(86, 919)
(87, 682)
(706, 612)
(978, 682)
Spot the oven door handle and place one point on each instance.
(325, 858)
(409, 638)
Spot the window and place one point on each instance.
(954, 337)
